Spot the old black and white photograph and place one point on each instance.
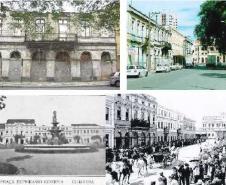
(160, 138)
(52, 135)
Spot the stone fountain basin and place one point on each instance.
(65, 148)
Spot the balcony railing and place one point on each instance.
(51, 37)
(53, 41)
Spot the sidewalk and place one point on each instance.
(52, 84)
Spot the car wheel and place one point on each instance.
(138, 76)
(146, 74)
(117, 84)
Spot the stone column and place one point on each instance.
(50, 66)
(96, 60)
(5, 68)
(75, 66)
(26, 69)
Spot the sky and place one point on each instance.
(194, 104)
(70, 109)
(186, 11)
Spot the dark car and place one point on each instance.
(115, 79)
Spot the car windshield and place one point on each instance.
(131, 67)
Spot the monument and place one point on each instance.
(56, 144)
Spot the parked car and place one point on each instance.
(178, 66)
(137, 71)
(189, 65)
(173, 67)
(162, 68)
(167, 68)
(115, 79)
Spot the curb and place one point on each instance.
(52, 84)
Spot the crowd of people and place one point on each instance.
(207, 169)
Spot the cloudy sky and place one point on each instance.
(70, 109)
(195, 104)
(186, 11)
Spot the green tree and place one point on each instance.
(212, 27)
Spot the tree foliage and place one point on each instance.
(212, 27)
(2, 103)
(102, 13)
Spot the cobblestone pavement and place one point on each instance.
(185, 79)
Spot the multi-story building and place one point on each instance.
(172, 125)
(110, 122)
(134, 120)
(148, 42)
(138, 119)
(167, 124)
(25, 131)
(55, 48)
(2, 130)
(19, 131)
(188, 48)
(215, 126)
(177, 41)
(188, 128)
(43, 133)
(88, 133)
(204, 54)
(167, 19)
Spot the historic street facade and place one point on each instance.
(148, 42)
(134, 118)
(214, 126)
(173, 125)
(155, 39)
(204, 54)
(24, 131)
(60, 49)
(138, 119)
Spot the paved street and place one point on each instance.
(185, 79)
(95, 85)
(185, 154)
(63, 87)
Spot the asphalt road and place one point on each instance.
(185, 79)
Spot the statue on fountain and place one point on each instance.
(57, 136)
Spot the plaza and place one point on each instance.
(56, 164)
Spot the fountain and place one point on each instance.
(56, 144)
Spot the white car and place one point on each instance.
(173, 67)
(178, 66)
(162, 68)
(136, 71)
(167, 68)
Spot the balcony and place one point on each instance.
(137, 124)
(53, 41)
(6, 36)
(92, 40)
(122, 124)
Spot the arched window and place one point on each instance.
(15, 55)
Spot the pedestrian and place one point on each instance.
(199, 182)
(196, 173)
(181, 174)
(187, 173)
(164, 179)
(173, 180)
